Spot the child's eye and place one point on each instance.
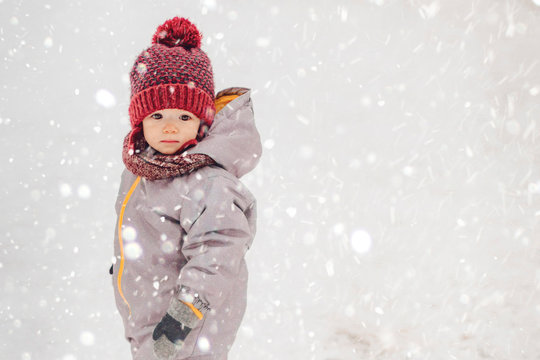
(186, 117)
(157, 116)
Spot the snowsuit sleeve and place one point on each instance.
(219, 222)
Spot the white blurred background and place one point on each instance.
(398, 192)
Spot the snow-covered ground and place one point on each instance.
(398, 192)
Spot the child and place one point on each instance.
(185, 221)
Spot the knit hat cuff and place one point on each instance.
(171, 96)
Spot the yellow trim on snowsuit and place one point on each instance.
(194, 309)
(221, 101)
(120, 220)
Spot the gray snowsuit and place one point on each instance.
(190, 232)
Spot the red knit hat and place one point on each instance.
(173, 73)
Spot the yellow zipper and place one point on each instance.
(120, 241)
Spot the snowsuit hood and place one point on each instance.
(233, 140)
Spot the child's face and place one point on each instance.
(168, 129)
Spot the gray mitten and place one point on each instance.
(174, 327)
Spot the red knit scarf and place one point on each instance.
(153, 165)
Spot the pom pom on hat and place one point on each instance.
(178, 32)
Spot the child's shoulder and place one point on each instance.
(210, 174)
(215, 179)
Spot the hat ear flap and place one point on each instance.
(203, 130)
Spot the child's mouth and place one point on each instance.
(169, 141)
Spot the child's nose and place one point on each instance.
(169, 129)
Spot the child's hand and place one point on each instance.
(172, 330)
(169, 336)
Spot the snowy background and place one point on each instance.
(398, 192)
